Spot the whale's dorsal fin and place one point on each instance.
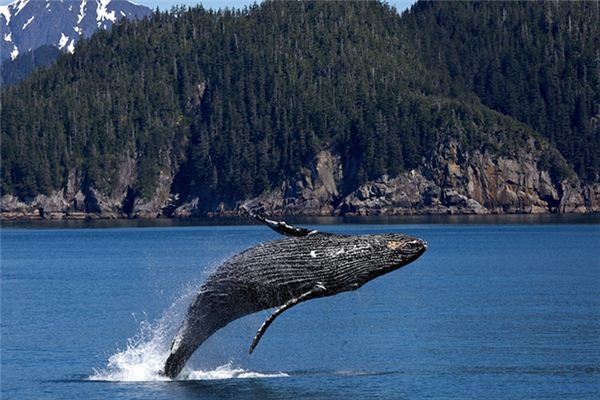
(317, 291)
(280, 226)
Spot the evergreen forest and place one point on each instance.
(234, 101)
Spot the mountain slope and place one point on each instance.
(26, 25)
(13, 71)
(313, 108)
(538, 62)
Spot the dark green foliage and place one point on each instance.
(535, 61)
(234, 101)
(16, 70)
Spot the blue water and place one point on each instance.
(490, 311)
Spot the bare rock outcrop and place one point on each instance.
(75, 201)
(453, 181)
(449, 180)
(314, 191)
(154, 206)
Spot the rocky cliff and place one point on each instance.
(450, 180)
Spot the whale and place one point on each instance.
(303, 265)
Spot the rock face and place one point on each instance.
(314, 191)
(450, 180)
(76, 201)
(453, 181)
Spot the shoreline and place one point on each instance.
(431, 219)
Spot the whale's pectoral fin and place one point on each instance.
(280, 226)
(317, 291)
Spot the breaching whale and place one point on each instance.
(307, 264)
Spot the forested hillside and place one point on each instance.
(538, 62)
(255, 94)
(13, 71)
(212, 108)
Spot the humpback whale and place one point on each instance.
(305, 265)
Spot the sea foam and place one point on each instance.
(145, 354)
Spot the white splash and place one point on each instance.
(145, 355)
(71, 46)
(8, 37)
(146, 352)
(227, 371)
(141, 361)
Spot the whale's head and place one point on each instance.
(376, 255)
(402, 249)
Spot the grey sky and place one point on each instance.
(167, 4)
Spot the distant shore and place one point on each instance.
(501, 219)
(82, 216)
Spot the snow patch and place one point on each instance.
(70, 7)
(123, 14)
(14, 53)
(102, 13)
(81, 11)
(6, 12)
(8, 37)
(71, 46)
(19, 5)
(64, 39)
(28, 22)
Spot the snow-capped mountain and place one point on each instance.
(28, 24)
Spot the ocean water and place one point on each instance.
(489, 311)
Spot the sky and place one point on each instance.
(167, 4)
